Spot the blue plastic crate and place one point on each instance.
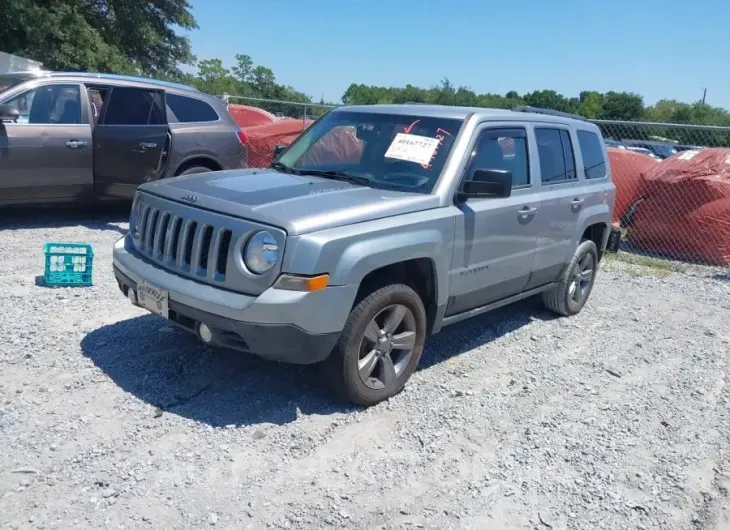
(68, 264)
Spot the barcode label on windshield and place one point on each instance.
(412, 148)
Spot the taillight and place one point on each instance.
(241, 137)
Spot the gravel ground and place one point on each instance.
(109, 418)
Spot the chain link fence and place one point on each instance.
(673, 193)
(278, 109)
(672, 190)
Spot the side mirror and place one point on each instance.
(494, 183)
(9, 113)
(278, 149)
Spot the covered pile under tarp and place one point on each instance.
(685, 213)
(627, 170)
(246, 116)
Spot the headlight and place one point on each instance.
(261, 252)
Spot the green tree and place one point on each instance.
(590, 104)
(624, 106)
(119, 36)
(243, 68)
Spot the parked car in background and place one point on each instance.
(81, 136)
(644, 151)
(614, 143)
(660, 149)
(688, 147)
(351, 257)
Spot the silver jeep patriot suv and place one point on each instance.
(378, 226)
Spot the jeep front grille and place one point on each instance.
(176, 242)
(200, 244)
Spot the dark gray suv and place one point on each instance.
(81, 136)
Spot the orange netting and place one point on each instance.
(685, 213)
(627, 170)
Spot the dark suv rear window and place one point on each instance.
(593, 161)
(190, 110)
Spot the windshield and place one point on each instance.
(391, 151)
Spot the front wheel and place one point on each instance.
(574, 287)
(379, 347)
(194, 170)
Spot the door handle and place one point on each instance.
(147, 145)
(577, 201)
(526, 212)
(75, 144)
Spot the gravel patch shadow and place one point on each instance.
(172, 371)
(103, 217)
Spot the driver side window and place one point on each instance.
(48, 105)
(504, 149)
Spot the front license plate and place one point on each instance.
(152, 298)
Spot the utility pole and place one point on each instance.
(704, 95)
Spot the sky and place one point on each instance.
(657, 48)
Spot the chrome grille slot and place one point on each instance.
(198, 244)
(189, 244)
(150, 230)
(161, 232)
(205, 256)
(224, 244)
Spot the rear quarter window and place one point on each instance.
(593, 161)
(190, 110)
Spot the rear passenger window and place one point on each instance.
(593, 161)
(502, 149)
(134, 106)
(190, 110)
(557, 160)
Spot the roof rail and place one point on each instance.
(538, 110)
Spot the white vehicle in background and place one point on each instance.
(643, 151)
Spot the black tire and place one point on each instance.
(341, 367)
(560, 299)
(194, 169)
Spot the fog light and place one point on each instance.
(132, 296)
(206, 335)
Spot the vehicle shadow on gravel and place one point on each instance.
(172, 371)
(94, 217)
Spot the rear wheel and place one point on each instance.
(379, 347)
(574, 287)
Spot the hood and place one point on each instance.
(298, 204)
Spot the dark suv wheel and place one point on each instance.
(380, 346)
(576, 283)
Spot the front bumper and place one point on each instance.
(286, 326)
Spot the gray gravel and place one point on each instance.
(109, 418)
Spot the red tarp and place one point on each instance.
(686, 211)
(246, 116)
(627, 170)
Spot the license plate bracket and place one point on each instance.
(153, 299)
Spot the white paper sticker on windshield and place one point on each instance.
(688, 155)
(412, 148)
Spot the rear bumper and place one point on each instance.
(286, 326)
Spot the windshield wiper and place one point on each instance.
(337, 175)
(284, 168)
